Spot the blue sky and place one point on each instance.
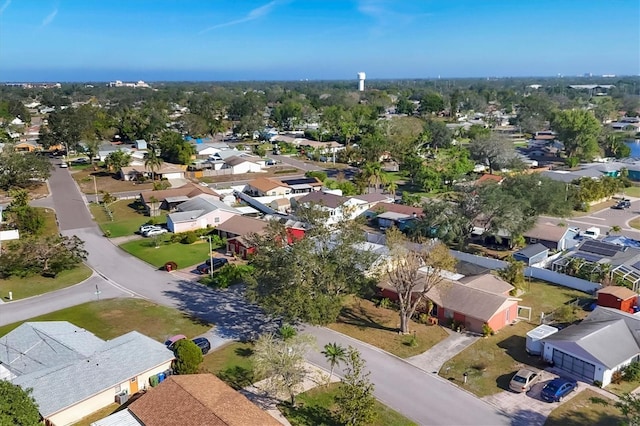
(99, 40)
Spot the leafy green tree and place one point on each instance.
(29, 220)
(282, 361)
(439, 136)
(355, 399)
(629, 406)
(477, 131)
(17, 407)
(287, 115)
(405, 106)
(307, 279)
(513, 273)
(579, 131)
(408, 277)
(430, 103)
(116, 160)
(334, 354)
(174, 149)
(188, 357)
(22, 169)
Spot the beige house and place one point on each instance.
(166, 171)
(201, 212)
(262, 187)
(73, 373)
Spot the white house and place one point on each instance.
(241, 165)
(72, 372)
(338, 208)
(201, 212)
(605, 342)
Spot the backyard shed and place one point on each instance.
(532, 254)
(617, 297)
(535, 336)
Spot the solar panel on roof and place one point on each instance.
(300, 181)
(603, 249)
(588, 257)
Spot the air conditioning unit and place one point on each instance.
(122, 398)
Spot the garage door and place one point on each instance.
(574, 365)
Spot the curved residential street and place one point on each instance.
(419, 395)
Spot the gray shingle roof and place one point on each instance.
(208, 203)
(36, 345)
(116, 361)
(532, 250)
(607, 342)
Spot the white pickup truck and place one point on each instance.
(593, 233)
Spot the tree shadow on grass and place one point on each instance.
(237, 377)
(244, 352)
(360, 318)
(515, 347)
(303, 414)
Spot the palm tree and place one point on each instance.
(152, 161)
(392, 187)
(287, 331)
(373, 173)
(334, 353)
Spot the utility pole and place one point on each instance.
(95, 187)
(210, 256)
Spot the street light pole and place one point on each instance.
(210, 255)
(95, 187)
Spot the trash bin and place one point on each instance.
(170, 266)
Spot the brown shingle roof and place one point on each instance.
(195, 400)
(189, 190)
(618, 291)
(397, 208)
(489, 177)
(328, 200)
(242, 225)
(265, 184)
(546, 231)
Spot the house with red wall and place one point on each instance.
(471, 301)
(617, 297)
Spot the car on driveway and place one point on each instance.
(64, 165)
(218, 262)
(171, 340)
(203, 343)
(557, 389)
(523, 380)
(146, 228)
(622, 204)
(154, 232)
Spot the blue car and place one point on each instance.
(557, 389)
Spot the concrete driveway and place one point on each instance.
(528, 409)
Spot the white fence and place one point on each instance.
(538, 273)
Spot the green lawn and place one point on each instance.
(35, 285)
(231, 363)
(50, 224)
(183, 254)
(128, 215)
(111, 318)
(632, 191)
(491, 362)
(317, 407)
(364, 321)
(584, 409)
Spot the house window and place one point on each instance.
(216, 220)
(448, 313)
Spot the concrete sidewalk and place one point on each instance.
(433, 359)
(259, 395)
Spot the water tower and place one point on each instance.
(361, 77)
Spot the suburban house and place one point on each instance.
(140, 144)
(27, 146)
(618, 297)
(489, 178)
(303, 185)
(170, 199)
(193, 399)
(203, 211)
(385, 215)
(375, 198)
(241, 165)
(72, 372)
(337, 207)
(603, 343)
(262, 186)
(166, 171)
(532, 254)
(474, 301)
(235, 228)
(552, 236)
(281, 205)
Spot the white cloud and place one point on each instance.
(4, 6)
(254, 14)
(49, 18)
(384, 16)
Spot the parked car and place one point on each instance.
(154, 232)
(557, 389)
(218, 262)
(145, 228)
(171, 340)
(523, 380)
(203, 343)
(64, 165)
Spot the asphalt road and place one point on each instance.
(421, 396)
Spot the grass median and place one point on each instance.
(160, 250)
(36, 285)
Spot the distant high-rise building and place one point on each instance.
(361, 77)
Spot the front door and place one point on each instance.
(133, 385)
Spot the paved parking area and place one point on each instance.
(528, 409)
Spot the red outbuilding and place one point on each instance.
(617, 297)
